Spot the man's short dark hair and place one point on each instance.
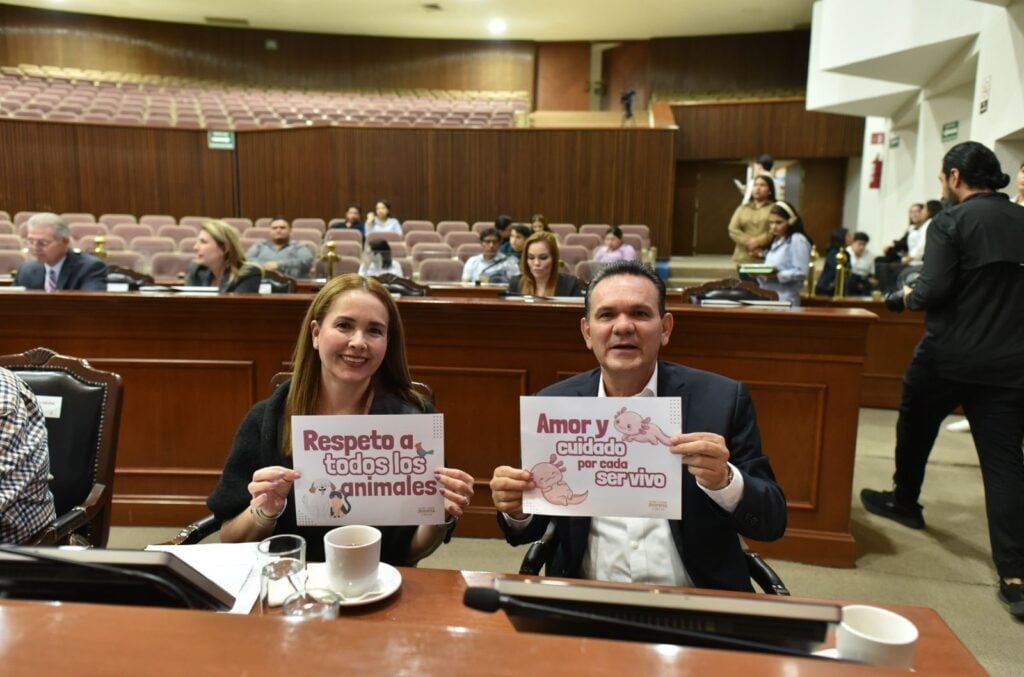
(766, 162)
(489, 232)
(861, 237)
(627, 267)
(522, 229)
(280, 217)
(933, 207)
(502, 222)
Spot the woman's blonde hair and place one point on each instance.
(392, 376)
(527, 283)
(226, 237)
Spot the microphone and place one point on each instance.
(490, 600)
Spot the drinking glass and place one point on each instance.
(282, 565)
(312, 604)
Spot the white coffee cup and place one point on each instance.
(876, 636)
(353, 555)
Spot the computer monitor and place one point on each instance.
(132, 577)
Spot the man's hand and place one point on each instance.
(507, 487)
(706, 457)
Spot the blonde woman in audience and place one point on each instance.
(539, 270)
(614, 249)
(349, 359)
(381, 221)
(220, 262)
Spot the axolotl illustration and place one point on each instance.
(548, 478)
(636, 428)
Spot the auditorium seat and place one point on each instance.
(464, 251)
(22, 217)
(312, 223)
(263, 222)
(388, 235)
(456, 238)
(417, 236)
(313, 235)
(481, 226)
(258, 233)
(187, 244)
(112, 220)
(126, 259)
(640, 230)
(170, 264)
(634, 241)
(413, 225)
(399, 250)
(573, 254)
(10, 242)
(4, 216)
(177, 232)
(10, 260)
(111, 242)
(77, 217)
(81, 229)
(586, 270)
(344, 264)
(150, 246)
(445, 227)
(429, 250)
(6, 227)
(241, 225)
(196, 221)
(348, 248)
(588, 240)
(440, 270)
(599, 229)
(157, 220)
(562, 229)
(130, 231)
(344, 235)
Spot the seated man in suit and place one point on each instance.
(729, 488)
(26, 505)
(58, 266)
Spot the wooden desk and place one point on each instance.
(890, 347)
(422, 629)
(193, 365)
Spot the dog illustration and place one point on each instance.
(316, 500)
(636, 428)
(548, 478)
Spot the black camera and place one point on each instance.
(896, 300)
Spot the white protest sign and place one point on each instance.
(602, 456)
(372, 469)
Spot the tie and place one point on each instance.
(51, 280)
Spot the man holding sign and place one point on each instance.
(729, 489)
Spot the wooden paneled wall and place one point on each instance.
(563, 76)
(576, 176)
(65, 167)
(746, 62)
(784, 129)
(238, 55)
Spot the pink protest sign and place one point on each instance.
(371, 469)
(602, 456)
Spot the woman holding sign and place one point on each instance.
(349, 359)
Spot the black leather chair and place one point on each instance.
(279, 282)
(730, 289)
(541, 551)
(133, 278)
(403, 286)
(82, 442)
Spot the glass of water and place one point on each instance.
(282, 565)
(312, 604)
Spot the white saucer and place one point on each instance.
(389, 580)
(828, 653)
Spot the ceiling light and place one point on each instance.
(497, 26)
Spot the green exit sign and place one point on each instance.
(220, 140)
(950, 131)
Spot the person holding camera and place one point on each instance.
(972, 288)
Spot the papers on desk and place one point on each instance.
(229, 565)
(729, 303)
(13, 289)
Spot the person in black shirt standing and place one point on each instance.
(972, 354)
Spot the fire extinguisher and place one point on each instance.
(876, 172)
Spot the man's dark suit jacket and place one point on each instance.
(707, 535)
(80, 271)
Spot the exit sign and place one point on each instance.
(950, 131)
(220, 140)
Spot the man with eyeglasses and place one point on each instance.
(491, 265)
(58, 267)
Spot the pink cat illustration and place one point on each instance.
(635, 428)
(548, 478)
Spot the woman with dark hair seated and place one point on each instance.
(220, 262)
(539, 270)
(614, 249)
(826, 284)
(379, 261)
(349, 359)
(789, 253)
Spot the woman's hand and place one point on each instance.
(457, 489)
(270, 487)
